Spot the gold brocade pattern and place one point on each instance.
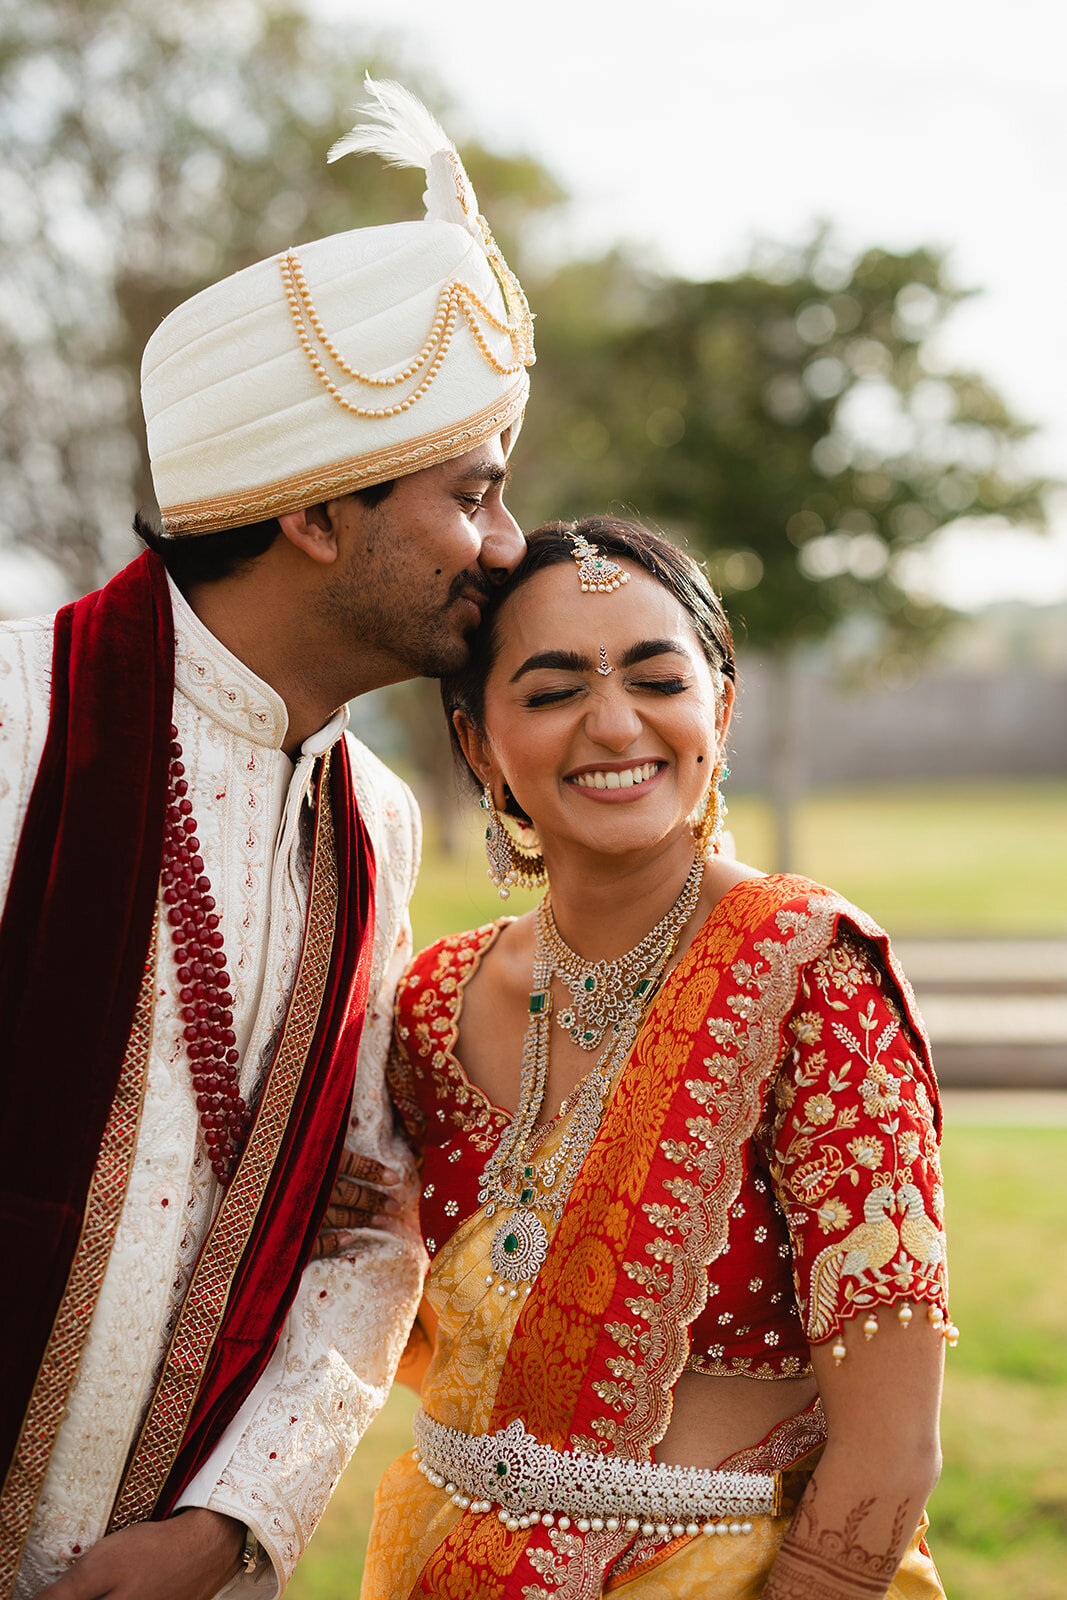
(205, 1302)
(70, 1329)
(475, 1328)
(693, 1217)
(547, 1365)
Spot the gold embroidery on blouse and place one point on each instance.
(894, 1250)
(431, 1042)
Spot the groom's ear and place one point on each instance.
(475, 746)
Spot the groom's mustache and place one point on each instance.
(473, 585)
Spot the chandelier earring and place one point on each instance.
(712, 818)
(514, 860)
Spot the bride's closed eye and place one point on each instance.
(550, 697)
(662, 685)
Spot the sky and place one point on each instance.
(691, 128)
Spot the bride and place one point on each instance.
(685, 1319)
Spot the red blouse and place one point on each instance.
(840, 1207)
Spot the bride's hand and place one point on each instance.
(365, 1195)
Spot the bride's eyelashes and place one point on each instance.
(551, 697)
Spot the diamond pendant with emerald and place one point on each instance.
(519, 1247)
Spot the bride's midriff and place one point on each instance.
(714, 1417)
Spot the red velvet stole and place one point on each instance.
(301, 1180)
(75, 930)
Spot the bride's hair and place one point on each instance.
(550, 546)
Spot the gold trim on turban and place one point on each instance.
(344, 477)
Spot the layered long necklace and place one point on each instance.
(609, 998)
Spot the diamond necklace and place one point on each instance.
(520, 1243)
(602, 991)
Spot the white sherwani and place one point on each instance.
(278, 1462)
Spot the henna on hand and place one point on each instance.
(360, 1197)
(817, 1562)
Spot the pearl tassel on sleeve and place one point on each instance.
(905, 1315)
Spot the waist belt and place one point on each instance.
(528, 1482)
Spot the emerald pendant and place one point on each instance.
(519, 1247)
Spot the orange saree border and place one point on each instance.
(604, 1334)
(63, 1352)
(205, 1301)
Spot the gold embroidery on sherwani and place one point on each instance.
(59, 1364)
(205, 1302)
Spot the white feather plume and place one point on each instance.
(397, 127)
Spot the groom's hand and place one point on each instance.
(190, 1556)
(365, 1195)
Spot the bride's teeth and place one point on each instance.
(617, 780)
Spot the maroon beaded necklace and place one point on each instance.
(205, 993)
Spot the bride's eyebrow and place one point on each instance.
(649, 648)
(574, 661)
(562, 660)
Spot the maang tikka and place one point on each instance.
(510, 862)
(596, 574)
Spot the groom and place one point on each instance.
(205, 885)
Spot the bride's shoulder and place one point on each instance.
(453, 960)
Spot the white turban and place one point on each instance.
(343, 362)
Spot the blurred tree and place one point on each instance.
(150, 150)
(794, 425)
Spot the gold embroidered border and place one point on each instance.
(458, 959)
(66, 1342)
(705, 1221)
(786, 1445)
(205, 1301)
(344, 477)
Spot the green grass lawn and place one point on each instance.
(964, 858)
(999, 1515)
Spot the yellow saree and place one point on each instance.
(588, 1364)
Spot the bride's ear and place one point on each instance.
(475, 746)
(726, 707)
